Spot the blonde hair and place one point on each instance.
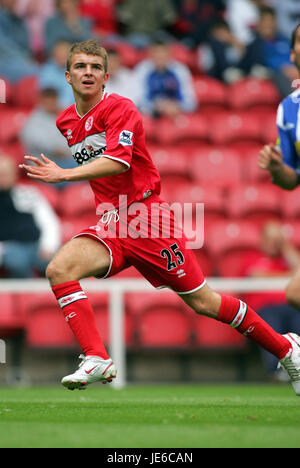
(90, 48)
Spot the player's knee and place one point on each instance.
(57, 273)
(204, 302)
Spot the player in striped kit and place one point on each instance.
(106, 136)
(283, 160)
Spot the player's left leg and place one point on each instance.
(245, 320)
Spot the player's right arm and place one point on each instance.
(282, 160)
(271, 159)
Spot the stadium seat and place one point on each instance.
(45, 324)
(270, 131)
(161, 320)
(26, 92)
(225, 236)
(250, 92)
(251, 172)
(183, 54)
(12, 122)
(77, 200)
(70, 226)
(290, 204)
(226, 128)
(219, 166)
(257, 202)
(12, 320)
(15, 150)
(210, 92)
(170, 160)
(209, 333)
(184, 127)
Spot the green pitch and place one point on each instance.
(155, 417)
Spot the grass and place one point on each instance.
(151, 416)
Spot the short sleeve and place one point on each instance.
(122, 125)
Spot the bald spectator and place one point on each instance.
(29, 228)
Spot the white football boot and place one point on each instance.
(91, 369)
(291, 362)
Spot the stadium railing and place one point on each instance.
(117, 288)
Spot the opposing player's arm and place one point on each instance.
(48, 171)
(271, 159)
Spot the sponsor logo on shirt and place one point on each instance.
(125, 138)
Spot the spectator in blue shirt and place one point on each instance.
(52, 74)
(166, 86)
(274, 50)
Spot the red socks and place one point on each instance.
(241, 317)
(80, 317)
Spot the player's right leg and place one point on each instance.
(81, 258)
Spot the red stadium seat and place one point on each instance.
(251, 172)
(224, 129)
(70, 226)
(26, 92)
(12, 320)
(292, 230)
(290, 204)
(45, 325)
(12, 122)
(251, 92)
(161, 320)
(15, 150)
(210, 92)
(212, 334)
(219, 166)
(184, 127)
(77, 200)
(225, 236)
(100, 304)
(170, 160)
(257, 202)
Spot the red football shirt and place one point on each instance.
(112, 129)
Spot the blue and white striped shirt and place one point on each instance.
(288, 123)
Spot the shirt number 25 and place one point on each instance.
(174, 257)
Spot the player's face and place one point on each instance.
(87, 75)
(295, 54)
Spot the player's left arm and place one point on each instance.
(48, 171)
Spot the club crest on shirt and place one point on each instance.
(89, 124)
(125, 138)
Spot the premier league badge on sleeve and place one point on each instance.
(125, 138)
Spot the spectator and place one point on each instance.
(165, 85)
(29, 229)
(47, 140)
(67, 24)
(243, 16)
(35, 14)
(140, 20)
(272, 51)
(194, 19)
(277, 258)
(52, 74)
(15, 55)
(288, 15)
(121, 79)
(223, 56)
